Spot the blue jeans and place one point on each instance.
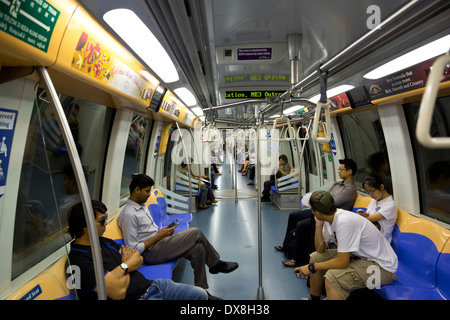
(166, 289)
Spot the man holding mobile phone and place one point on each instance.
(162, 245)
(174, 224)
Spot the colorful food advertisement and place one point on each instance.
(96, 60)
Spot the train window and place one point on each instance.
(47, 185)
(433, 165)
(364, 142)
(134, 161)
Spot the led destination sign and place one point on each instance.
(253, 94)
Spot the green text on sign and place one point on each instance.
(31, 21)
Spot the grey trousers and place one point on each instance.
(190, 244)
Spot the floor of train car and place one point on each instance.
(232, 228)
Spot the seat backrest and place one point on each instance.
(161, 201)
(361, 202)
(443, 272)
(417, 243)
(51, 284)
(113, 230)
(155, 208)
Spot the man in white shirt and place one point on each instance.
(363, 258)
(162, 245)
(344, 195)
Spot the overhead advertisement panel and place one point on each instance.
(406, 80)
(254, 54)
(95, 59)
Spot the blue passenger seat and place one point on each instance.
(158, 208)
(423, 251)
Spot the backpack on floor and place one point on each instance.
(288, 244)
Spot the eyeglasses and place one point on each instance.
(103, 220)
(340, 169)
(371, 192)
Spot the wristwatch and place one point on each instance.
(124, 266)
(311, 268)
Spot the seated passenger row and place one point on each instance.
(146, 242)
(382, 212)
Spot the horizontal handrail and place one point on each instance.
(288, 176)
(291, 186)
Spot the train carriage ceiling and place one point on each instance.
(221, 46)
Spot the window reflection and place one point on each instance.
(364, 143)
(47, 185)
(135, 151)
(433, 164)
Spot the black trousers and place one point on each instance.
(305, 225)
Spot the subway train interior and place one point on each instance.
(211, 93)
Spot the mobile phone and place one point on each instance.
(173, 224)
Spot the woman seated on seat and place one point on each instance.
(245, 167)
(283, 169)
(382, 210)
(207, 195)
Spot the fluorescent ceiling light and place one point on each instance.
(198, 111)
(136, 34)
(185, 95)
(333, 92)
(292, 109)
(149, 77)
(428, 51)
(274, 116)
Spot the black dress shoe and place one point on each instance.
(224, 267)
(265, 199)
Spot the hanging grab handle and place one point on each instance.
(306, 135)
(289, 130)
(252, 134)
(288, 133)
(210, 134)
(326, 106)
(427, 106)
